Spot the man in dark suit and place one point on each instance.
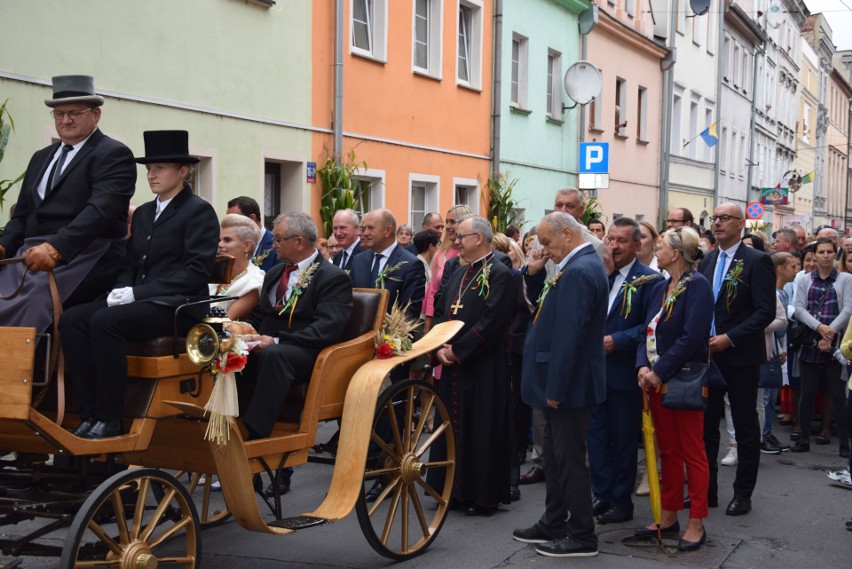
(743, 284)
(264, 257)
(388, 265)
(304, 307)
(564, 374)
(346, 231)
(71, 213)
(614, 425)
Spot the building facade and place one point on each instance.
(802, 202)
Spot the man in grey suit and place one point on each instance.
(71, 213)
(564, 375)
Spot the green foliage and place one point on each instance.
(591, 211)
(6, 128)
(502, 207)
(339, 187)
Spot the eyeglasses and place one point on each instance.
(723, 218)
(461, 236)
(73, 115)
(278, 240)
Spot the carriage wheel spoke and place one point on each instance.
(425, 410)
(158, 514)
(409, 417)
(98, 563)
(432, 492)
(120, 517)
(170, 532)
(404, 520)
(102, 535)
(394, 425)
(384, 446)
(432, 438)
(391, 515)
(418, 509)
(142, 496)
(381, 498)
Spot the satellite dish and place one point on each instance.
(583, 82)
(774, 16)
(793, 181)
(699, 7)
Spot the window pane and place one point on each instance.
(421, 34)
(516, 48)
(550, 83)
(362, 14)
(464, 43)
(418, 204)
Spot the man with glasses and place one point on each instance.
(292, 334)
(680, 217)
(743, 285)
(71, 213)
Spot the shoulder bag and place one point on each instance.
(770, 371)
(687, 389)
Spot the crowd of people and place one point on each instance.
(532, 364)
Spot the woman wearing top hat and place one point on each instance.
(169, 260)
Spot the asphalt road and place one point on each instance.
(797, 521)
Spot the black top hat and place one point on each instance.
(167, 146)
(74, 89)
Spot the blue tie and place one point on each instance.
(374, 273)
(720, 274)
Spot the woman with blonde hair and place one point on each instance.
(446, 252)
(645, 254)
(238, 237)
(680, 311)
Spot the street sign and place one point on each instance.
(593, 181)
(754, 210)
(594, 158)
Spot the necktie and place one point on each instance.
(374, 273)
(56, 172)
(282, 285)
(343, 260)
(612, 279)
(720, 273)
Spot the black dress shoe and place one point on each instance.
(671, 531)
(484, 511)
(685, 545)
(283, 484)
(83, 428)
(103, 430)
(514, 493)
(614, 515)
(534, 476)
(565, 547)
(801, 445)
(599, 507)
(739, 506)
(374, 491)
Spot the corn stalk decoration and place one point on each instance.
(6, 129)
(591, 211)
(339, 187)
(502, 207)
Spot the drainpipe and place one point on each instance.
(720, 69)
(338, 80)
(848, 147)
(496, 93)
(668, 98)
(753, 121)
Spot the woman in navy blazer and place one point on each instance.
(680, 312)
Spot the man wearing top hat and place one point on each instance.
(71, 213)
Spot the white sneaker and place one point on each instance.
(841, 476)
(731, 458)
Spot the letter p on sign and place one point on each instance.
(594, 158)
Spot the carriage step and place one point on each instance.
(299, 522)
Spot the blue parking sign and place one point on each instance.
(594, 158)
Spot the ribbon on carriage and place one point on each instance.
(223, 405)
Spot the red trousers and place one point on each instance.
(680, 436)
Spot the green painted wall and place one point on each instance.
(244, 69)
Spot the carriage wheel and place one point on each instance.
(199, 485)
(409, 512)
(123, 524)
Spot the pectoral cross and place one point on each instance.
(457, 306)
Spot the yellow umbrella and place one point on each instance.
(651, 465)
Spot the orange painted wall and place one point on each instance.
(389, 101)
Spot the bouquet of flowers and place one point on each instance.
(223, 405)
(394, 337)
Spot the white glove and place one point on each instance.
(120, 296)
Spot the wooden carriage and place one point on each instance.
(123, 517)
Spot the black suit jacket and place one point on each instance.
(355, 252)
(745, 315)
(90, 199)
(406, 283)
(171, 260)
(451, 265)
(320, 315)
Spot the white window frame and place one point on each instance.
(473, 57)
(712, 31)
(709, 111)
(723, 151)
(677, 122)
(553, 99)
(431, 198)
(378, 30)
(377, 185)
(520, 73)
(434, 33)
(204, 174)
(681, 17)
(694, 105)
(630, 7)
(620, 107)
(472, 185)
(642, 114)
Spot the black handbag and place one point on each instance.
(770, 371)
(687, 389)
(800, 334)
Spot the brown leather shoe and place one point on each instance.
(534, 476)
